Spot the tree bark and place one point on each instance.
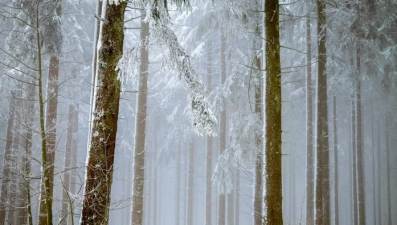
(140, 131)
(258, 196)
(336, 179)
(208, 174)
(354, 163)
(190, 195)
(273, 196)
(67, 168)
(8, 158)
(101, 154)
(222, 132)
(322, 179)
(360, 150)
(309, 131)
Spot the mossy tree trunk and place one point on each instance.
(140, 131)
(273, 196)
(104, 128)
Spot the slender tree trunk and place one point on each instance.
(237, 208)
(379, 176)
(360, 150)
(354, 162)
(336, 179)
(273, 196)
(309, 131)
(208, 174)
(258, 196)
(67, 167)
(74, 172)
(388, 168)
(103, 141)
(230, 208)
(373, 165)
(178, 186)
(140, 132)
(222, 132)
(190, 196)
(46, 165)
(322, 179)
(50, 126)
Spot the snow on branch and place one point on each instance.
(199, 111)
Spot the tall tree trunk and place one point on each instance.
(74, 172)
(67, 168)
(208, 184)
(45, 164)
(309, 131)
(103, 141)
(230, 207)
(354, 162)
(222, 132)
(190, 195)
(388, 168)
(50, 126)
(258, 196)
(360, 150)
(379, 175)
(273, 196)
(7, 164)
(237, 207)
(140, 131)
(322, 179)
(336, 179)
(178, 186)
(375, 206)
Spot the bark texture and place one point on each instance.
(101, 154)
(322, 178)
(273, 196)
(222, 132)
(309, 131)
(140, 132)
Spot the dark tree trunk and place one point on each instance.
(103, 141)
(322, 178)
(273, 196)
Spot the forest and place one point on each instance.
(191, 112)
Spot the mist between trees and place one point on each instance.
(183, 112)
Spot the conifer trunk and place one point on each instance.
(336, 178)
(140, 131)
(222, 132)
(67, 167)
(309, 131)
(322, 179)
(101, 154)
(190, 195)
(208, 184)
(354, 163)
(273, 196)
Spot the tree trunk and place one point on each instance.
(237, 208)
(140, 131)
(336, 179)
(258, 196)
(101, 155)
(273, 196)
(74, 172)
(208, 174)
(7, 164)
(379, 176)
(309, 131)
(178, 186)
(222, 132)
(50, 126)
(354, 162)
(322, 179)
(67, 168)
(388, 168)
(360, 150)
(230, 208)
(190, 195)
